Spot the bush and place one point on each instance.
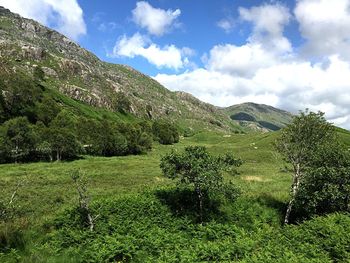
(165, 132)
(196, 168)
(324, 190)
(11, 237)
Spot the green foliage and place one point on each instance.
(324, 190)
(11, 237)
(62, 126)
(300, 143)
(18, 140)
(39, 74)
(122, 103)
(158, 226)
(47, 109)
(19, 95)
(142, 228)
(165, 132)
(197, 168)
(301, 139)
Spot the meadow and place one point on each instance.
(136, 224)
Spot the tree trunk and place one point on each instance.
(295, 188)
(58, 155)
(200, 203)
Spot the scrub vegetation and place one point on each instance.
(140, 215)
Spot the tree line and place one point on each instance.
(36, 126)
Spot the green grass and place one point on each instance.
(83, 109)
(254, 220)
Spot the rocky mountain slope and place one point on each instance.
(26, 46)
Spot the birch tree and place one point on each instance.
(299, 143)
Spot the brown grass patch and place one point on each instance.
(255, 179)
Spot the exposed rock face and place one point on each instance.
(49, 72)
(33, 53)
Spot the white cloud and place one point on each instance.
(291, 86)
(139, 45)
(107, 26)
(66, 16)
(268, 25)
(325, 25)
(157, 21)
(239, 60)
(226, 24)
(266, 69)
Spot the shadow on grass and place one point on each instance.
(183, 202)
(271, 202)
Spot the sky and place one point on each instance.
(292, 54)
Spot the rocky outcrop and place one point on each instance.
(33, 53)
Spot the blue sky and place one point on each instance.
(291, 54)
(197, 28)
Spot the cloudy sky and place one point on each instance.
(291, 54)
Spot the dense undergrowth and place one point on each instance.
(152, 227)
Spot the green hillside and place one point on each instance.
(258, 116)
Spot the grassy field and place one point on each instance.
(48, 191)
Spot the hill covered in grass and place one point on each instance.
(258, 116)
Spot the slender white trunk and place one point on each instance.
(200, 202)
(295, 188)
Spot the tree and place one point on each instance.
(63, 143)
(139, 141)
(84, 198)
(18, 139)
(123, 104)
(62, 138)
(199, 169)
(165, 132)
(19, 94)
(299, 142)
(325, 188)
(47, 110)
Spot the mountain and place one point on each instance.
(258, 116)
(75, 74)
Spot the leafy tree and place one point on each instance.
(64, 143)
(62, 136)
(47, 110)
(199, 169)
(165, 132)
(139, 141)
(18, 139)
(123, 104)
(325, 188)
(45, 150)
(299, 142)
(108, 141)
(21, 94)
